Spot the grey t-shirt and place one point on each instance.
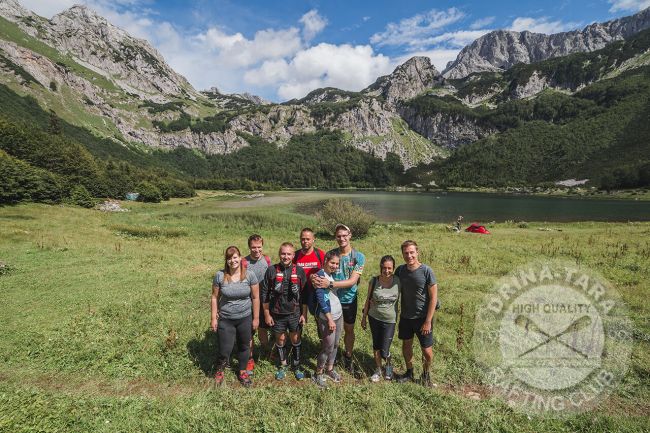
(415, 290)
(235, 297)
(384, 300)
(257, 266)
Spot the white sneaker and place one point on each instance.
(376, 377)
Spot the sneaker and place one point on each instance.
(281, 373)
(425, 380)
(218, 378)
(245, 380)
(347, 363)
(388, 372)
(376, 377)
(299, 374)
(332, 374)
(406, 377)
(320, 380)
(250, 366)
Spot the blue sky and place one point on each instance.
(283, 49)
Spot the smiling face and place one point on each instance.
(256, 248)
(410, 254)
(233, 262)
(387, 268)
(332, 265)
(286, 255)
(343, 237)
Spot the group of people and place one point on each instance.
(253, 296)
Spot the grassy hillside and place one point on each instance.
(105, 321)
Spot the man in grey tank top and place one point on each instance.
(257, 263)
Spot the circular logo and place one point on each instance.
(552, 338)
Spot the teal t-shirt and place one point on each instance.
(348, 264)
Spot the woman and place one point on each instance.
(381, 307)
(235, 307)
(329, 317)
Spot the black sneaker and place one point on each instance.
(425, 380)
(348, 365)
(406, 377)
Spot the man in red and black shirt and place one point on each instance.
(310, 259)
(284, 307)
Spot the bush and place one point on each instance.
(340, 211)
(81, 197)
(149, 193)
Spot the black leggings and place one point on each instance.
(227, 330)
(382, 335)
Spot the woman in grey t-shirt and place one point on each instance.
(381, 307)
(234, 312)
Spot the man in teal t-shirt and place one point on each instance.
(346, 281)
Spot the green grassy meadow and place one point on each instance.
(105, 321)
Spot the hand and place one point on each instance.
(269, 320)
(426, 327)
(320, 282)
(331, 325)
(363, 322)
(213, 325)
(302, 320)
(256, 324)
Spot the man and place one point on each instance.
(310, 259)
(284, 308)
(346, 281)
(419, 298)
(257, 263)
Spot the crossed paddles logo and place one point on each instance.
(552, 338)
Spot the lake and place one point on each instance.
(446, 206)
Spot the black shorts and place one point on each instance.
(409, 327)
(288, 322)
(349, 312)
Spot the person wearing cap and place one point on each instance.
(346, 282)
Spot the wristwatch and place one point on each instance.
(331, 286)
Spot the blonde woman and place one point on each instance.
(235, 307)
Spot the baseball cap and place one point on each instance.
(342, 226)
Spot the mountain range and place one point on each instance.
(453, 127)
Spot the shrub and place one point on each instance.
(149, 193)
(340, 211)
(81, 197)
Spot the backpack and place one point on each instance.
(319, 257)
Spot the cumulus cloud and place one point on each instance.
(313, 23)
(410, 31)
(541, 25)
(455, 39)
(481, 23)
(324, 65)
(628, 5)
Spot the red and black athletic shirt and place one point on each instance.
(283, 303)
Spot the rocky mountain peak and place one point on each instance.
(501, 49)
(11, 9)
(408, 80)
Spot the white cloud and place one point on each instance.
(313, 24)
(541, 25)
(455, 39)
(481, 23)
(47, 8)
(410, 31)
(324, 65)
(628, 5)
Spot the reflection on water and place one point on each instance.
(445, 207)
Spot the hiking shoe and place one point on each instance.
(388, 372)
(281, 373)
(218, 378)
(250, 366)
(376, 376)
(299, 374)
(332, 374)
(348, 364)
(425, 380)
(245, 380)
(320, 380)
(406, 377)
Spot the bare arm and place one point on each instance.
(322, 282)
(214, 307)
(366, 307)
(255, 298)
(433, 299)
